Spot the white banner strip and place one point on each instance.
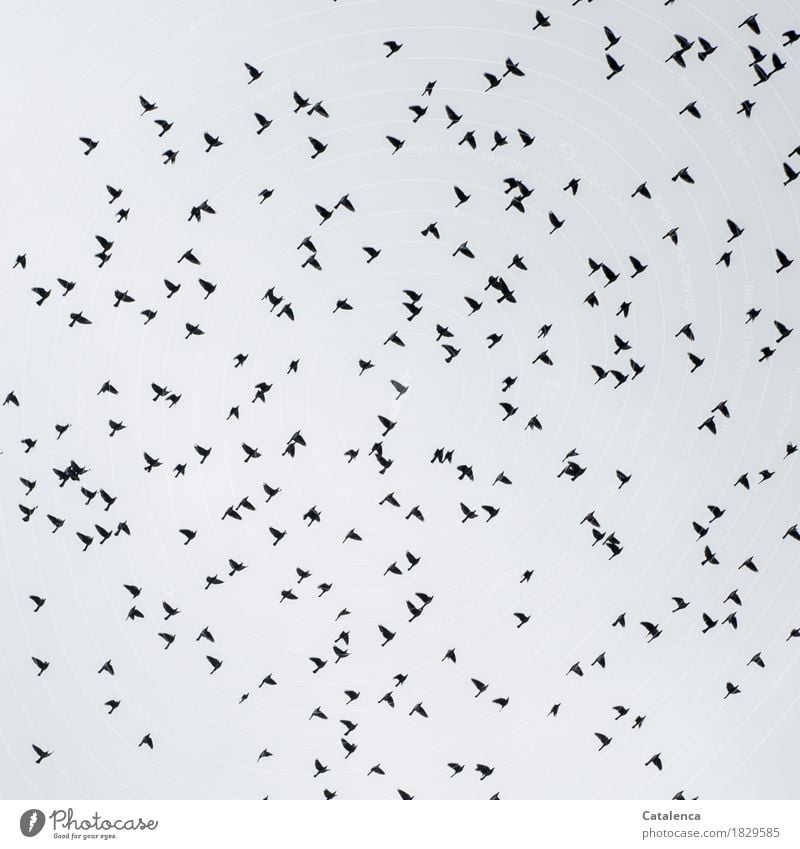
(569, 824)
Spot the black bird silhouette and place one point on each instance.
(692, 109)
(604, 740)
(41, 665)
(317, 146)
(89, 143)
(708, 623)
(41, 753)
(254, 73)
(211, 141)
(452, 116)
(541, 20)
(392, 47)
(615, 67)
(652, 630)
(655, 760)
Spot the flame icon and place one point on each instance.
(31, 822)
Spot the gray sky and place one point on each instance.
(78, 70)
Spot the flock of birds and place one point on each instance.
(101, 517)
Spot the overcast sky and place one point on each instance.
(78, 70)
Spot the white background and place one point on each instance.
(78, 70)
